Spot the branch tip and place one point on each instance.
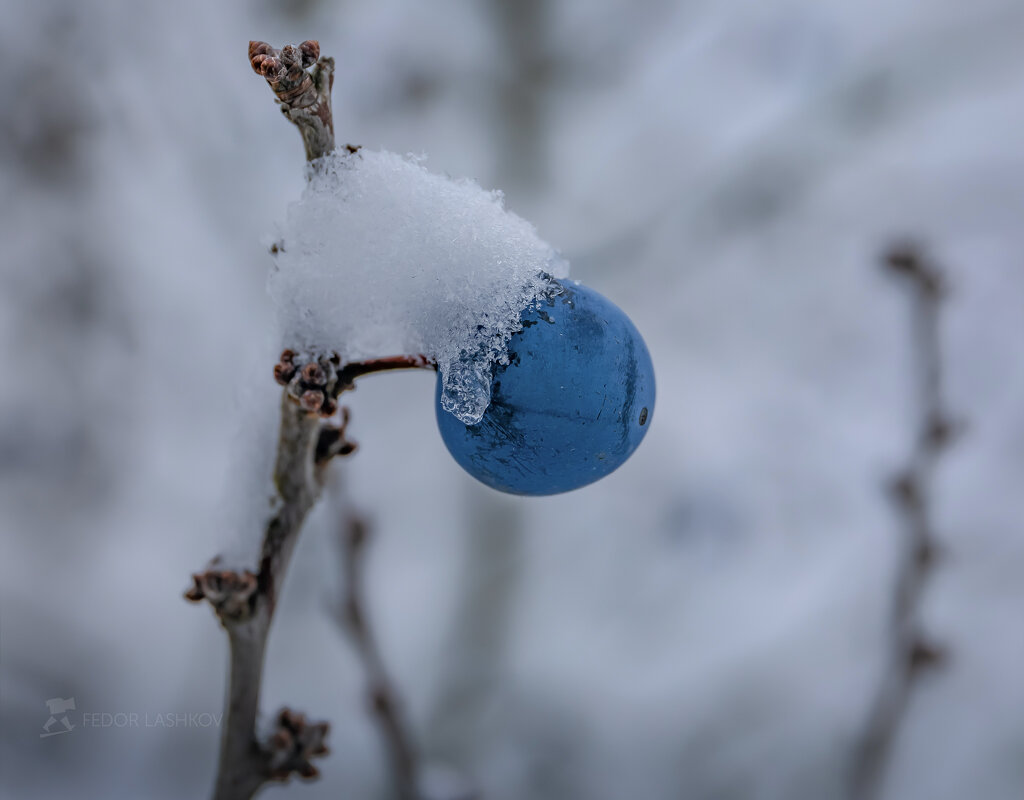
(301, 81)
(908, 259)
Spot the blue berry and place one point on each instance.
(572, 404)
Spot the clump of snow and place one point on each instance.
(381, 257)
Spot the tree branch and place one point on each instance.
(384, 701)
(357, 369)
(245, 601)
(908, 650)
(305, 97)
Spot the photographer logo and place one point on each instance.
(58, 722)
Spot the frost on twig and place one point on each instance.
(909, 652)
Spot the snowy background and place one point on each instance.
(705, 623)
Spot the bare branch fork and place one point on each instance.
(909, 651)
(244, 601)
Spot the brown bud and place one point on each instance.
(283, 373)
(195, 592)
(282, 739)
(311, 400)
(269, 66)
(265, 64)
(330, 407)
(313, 374)
(259, 49)
(310, 52)
(290, 56)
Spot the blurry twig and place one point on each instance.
(908, 651)
(384, 701)
(477, 639)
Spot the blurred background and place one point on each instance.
(708, 622)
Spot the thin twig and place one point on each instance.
(909, 652)
(357, 369)
(245, 601)
(318, 383)
(477, 646)
(302, 82)
(384, 702)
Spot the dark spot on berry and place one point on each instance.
(643, 415)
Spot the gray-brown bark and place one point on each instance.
(302, 82)
(243, 601)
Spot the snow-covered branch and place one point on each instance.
(245, 601)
